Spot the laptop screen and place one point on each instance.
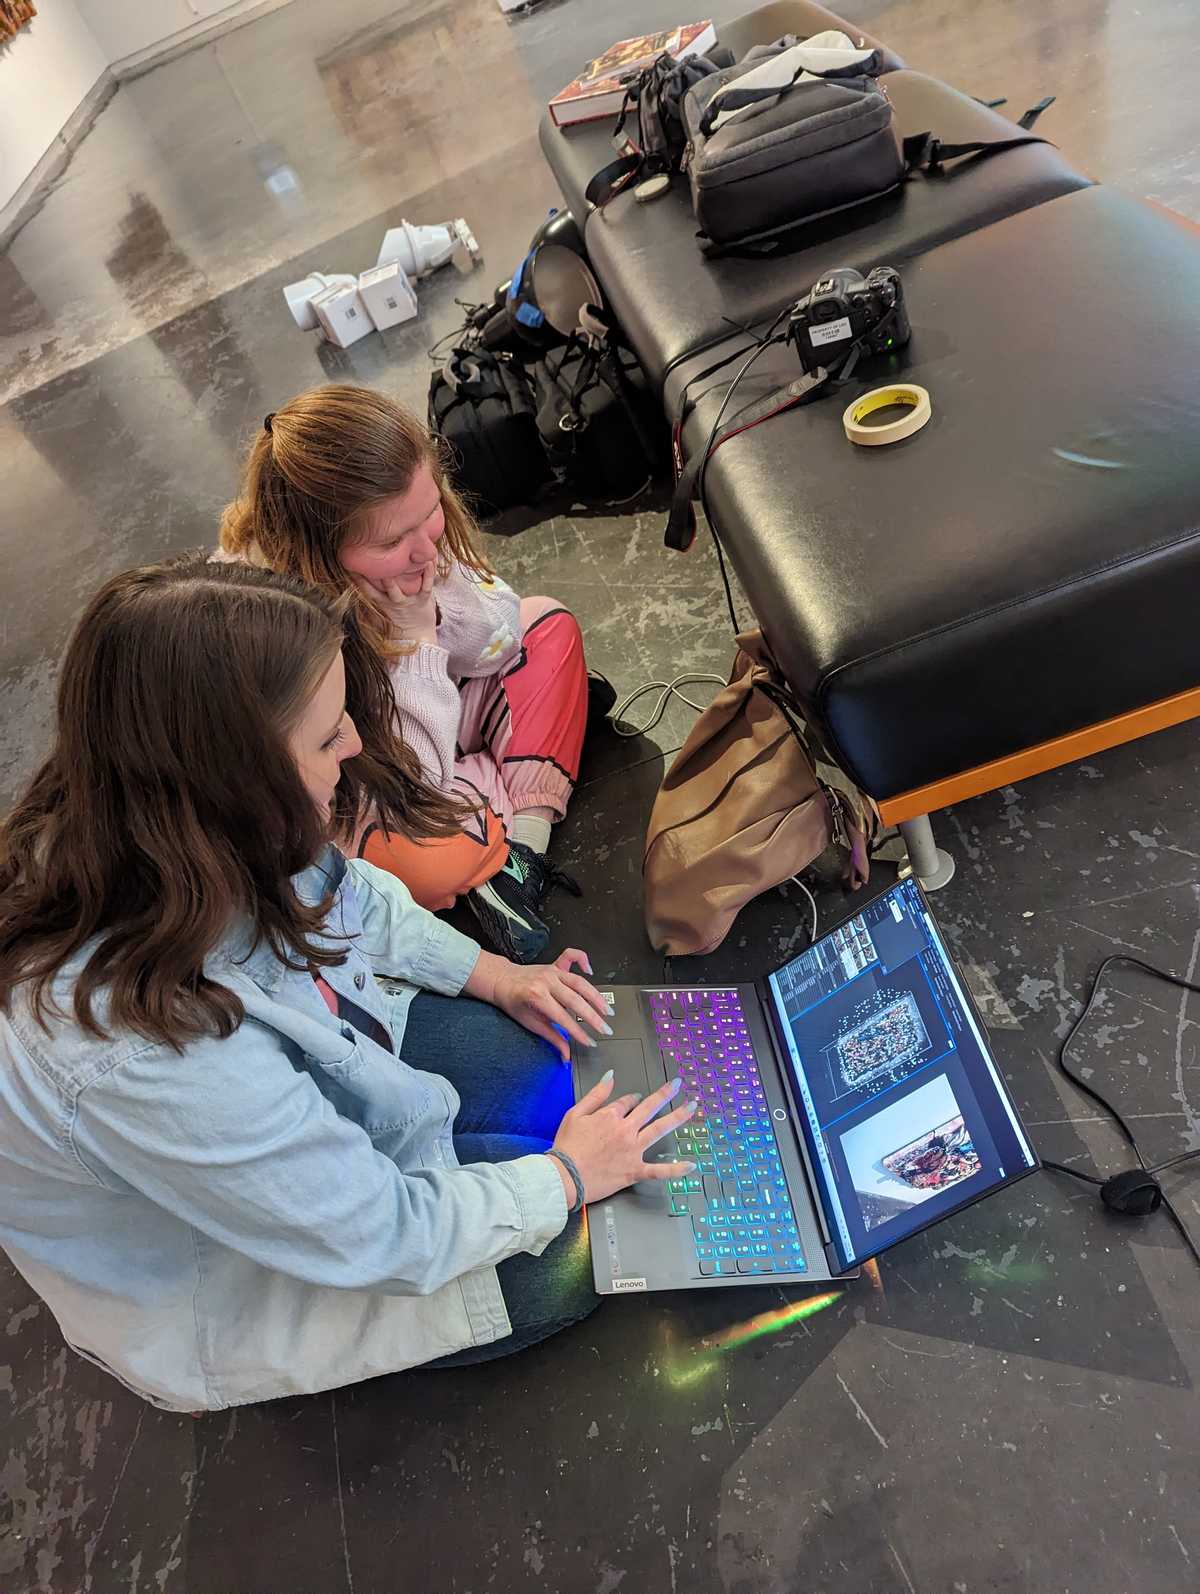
(905, 1114)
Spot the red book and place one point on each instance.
(599, 89)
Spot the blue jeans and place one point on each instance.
(515, 1089)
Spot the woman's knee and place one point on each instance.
(555, 633)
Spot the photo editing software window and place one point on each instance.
(904, 1112)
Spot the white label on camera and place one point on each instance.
(621, 1285)
(831, 332)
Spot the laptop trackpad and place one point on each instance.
(627, 1061)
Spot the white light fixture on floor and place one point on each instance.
(300, 295)
(420, 250)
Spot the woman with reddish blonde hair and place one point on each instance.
(345, 489)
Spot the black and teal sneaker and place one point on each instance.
(541, 876)
(507, 906)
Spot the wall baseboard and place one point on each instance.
(202, 31)
(33, 192)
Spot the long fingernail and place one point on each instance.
(692, 1105)
(606, 1029)
(606, 1076)
(689, 1167)
(677, 1084)
(610, 1010)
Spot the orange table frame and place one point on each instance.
(1061, 750)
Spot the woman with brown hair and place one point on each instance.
(345, 489)
(221, 1164)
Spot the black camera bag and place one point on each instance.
(655, 97)
(483, 406)
(599, 423)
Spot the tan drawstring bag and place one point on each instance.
(749, 801)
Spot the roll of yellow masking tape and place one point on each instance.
(915, 399)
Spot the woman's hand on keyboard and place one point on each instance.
(607, 1139)
(549, 999)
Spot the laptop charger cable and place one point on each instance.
(1135, 1192)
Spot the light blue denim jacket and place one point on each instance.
(274, 1213)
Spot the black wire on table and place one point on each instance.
(756, 353)
(766, 341)
(1101, 1101)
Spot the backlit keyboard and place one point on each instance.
(737, 1201)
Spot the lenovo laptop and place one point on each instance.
(847, 1101)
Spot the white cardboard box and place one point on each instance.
(388, 294)
(343, 316)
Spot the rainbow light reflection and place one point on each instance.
(682, 1375)
(772, 1322)
(692, 1365)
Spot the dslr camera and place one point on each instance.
(845, 312)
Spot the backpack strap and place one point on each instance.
(853, 816)
(471, 374)
(600, 362)
(1031, 115)
(608, 182)
(611, 179)
(613, 372)
(926, 152)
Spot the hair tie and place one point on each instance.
(267, 419)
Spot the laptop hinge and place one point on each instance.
(767, 1007)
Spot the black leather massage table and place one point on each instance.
(1013, 587)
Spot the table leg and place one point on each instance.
(932, 867)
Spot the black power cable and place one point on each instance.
(788, 398)
(709, 448)
(1136, 1192)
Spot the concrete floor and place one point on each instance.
(1010, 1404)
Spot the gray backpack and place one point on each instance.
(800, 130)
(762, 160)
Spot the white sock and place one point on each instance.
(532, 831)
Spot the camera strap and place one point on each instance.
(608, 182)
(680, 530)
(687, 404)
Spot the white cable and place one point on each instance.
(812, 902)
(667, 690)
